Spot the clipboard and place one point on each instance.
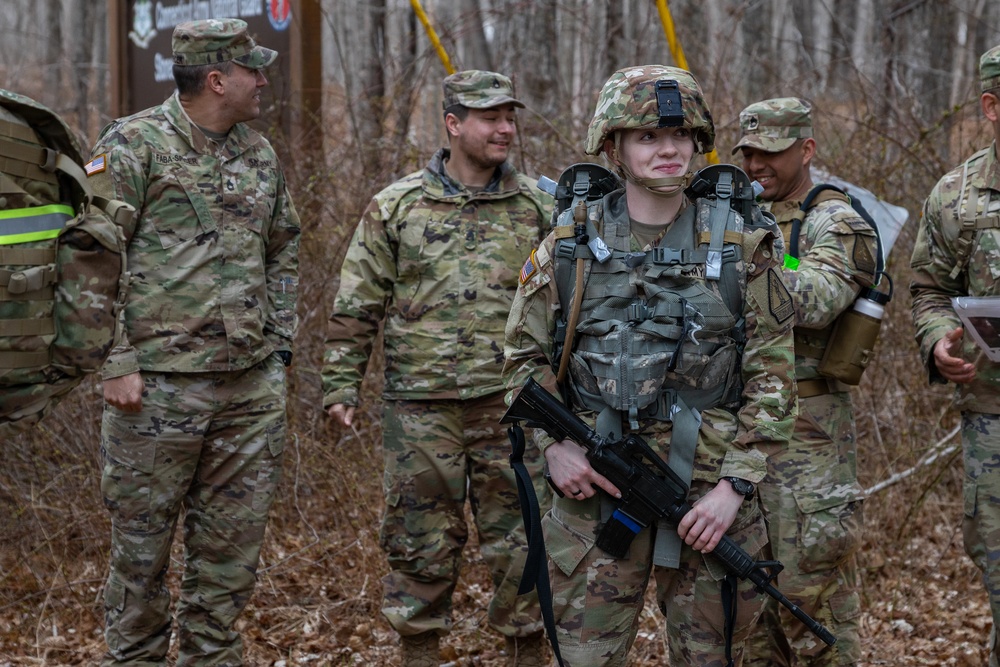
(980, 316)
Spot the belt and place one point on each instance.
(817, 387)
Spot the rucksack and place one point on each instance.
(851, 340)
(63, 277)
(810, 201)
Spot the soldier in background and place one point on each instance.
(957, 253)
(194, 420)
(436, 258)
(696, 359)
(811, 496)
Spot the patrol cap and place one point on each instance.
(211, 41)
(774, 125)
(478, 89)
(989, 69)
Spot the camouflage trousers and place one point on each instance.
(981, 490)
(207, 446)
(437, 454)
(813, 506)
(597, 600)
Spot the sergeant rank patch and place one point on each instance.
(779, 301)
(529, 269)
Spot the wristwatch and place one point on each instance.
(286, 357)
(741, 486)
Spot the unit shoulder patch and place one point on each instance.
(779, 301)
(863, 258)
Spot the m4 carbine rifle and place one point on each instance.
(650, 491)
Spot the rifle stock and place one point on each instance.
(650, 491)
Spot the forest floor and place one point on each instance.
(317, 601)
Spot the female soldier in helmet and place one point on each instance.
(679, 330)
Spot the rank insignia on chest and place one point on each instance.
(529, 269)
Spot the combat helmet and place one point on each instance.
(651, 96)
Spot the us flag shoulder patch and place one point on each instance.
(97, 165)
(529, 269)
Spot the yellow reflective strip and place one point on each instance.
(39, 223)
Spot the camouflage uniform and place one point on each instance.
(811, 496)
(942, 270)
(213, 251)
(597, 599)
(436, 262)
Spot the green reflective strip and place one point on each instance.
(22, 225)
(791, 263)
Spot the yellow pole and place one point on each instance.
(435, 42)
(678, 53)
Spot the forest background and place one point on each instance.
(896, 94)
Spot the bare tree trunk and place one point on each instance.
(373, 86)
(863, 56)
(542, 65)
(822, 42)
(81, 15)
(617, 44)
(405, 98)
(54, 47)
(473, 50)
(970, 11)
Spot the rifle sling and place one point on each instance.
(536, 570)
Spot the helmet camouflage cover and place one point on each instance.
(629, 101)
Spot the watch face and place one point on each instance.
(741, 486)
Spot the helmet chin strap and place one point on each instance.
(667, 187)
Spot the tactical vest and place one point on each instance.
(653, 329)
(62, 262)
(661, 332)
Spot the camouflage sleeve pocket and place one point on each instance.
(831, 523)
(565, 545)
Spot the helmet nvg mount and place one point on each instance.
(651, 96)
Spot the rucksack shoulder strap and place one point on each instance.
(973, 218)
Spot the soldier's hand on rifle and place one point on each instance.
(951, 366)
(125, 392)
(344, 414)
(710, 517)
(572, 474)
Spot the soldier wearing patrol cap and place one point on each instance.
(435, 258)
(811, 495)
(692, 355)
(194, 419)
(957, 253)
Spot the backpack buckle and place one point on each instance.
(49, 164)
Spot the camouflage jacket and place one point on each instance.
(935, 255)
(837, 251)
(728, 441)
(213, 248)
(439, 264)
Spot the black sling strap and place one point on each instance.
(536, 571)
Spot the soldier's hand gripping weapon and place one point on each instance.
(650, 491)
